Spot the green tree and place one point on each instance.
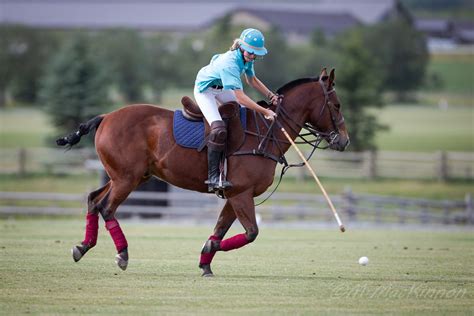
(402, 54)
(222, 32)
(357, 87)
(23, 53)
(274, 69)
(160, 53)
(307, 59)
(75, 86)
(124, 54)
(189, 57)
(318, 38)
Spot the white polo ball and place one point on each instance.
(363, 261)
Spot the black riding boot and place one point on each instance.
(214, 182)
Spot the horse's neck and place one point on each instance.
(291, 120)
(294, 116)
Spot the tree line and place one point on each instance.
(75, 75)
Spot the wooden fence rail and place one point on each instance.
(281, 207)
(370, 164)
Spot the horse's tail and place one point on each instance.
(84, 129)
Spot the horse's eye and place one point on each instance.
(337, 106)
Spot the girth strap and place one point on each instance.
(255, 152)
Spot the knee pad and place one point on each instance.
(217, 136)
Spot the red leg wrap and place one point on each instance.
(117, 235)
(92, 229)
(234, 242)
(206, 258)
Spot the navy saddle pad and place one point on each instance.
(190, 134)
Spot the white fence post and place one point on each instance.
(370, 162)
(21, 162)
(469, 208)
(373, 164)
(442, 166)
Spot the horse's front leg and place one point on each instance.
(244, 210)
(224, 222)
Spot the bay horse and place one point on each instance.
(136, 142)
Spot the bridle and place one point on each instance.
(295, 128)
(330, 137)
(334, 135)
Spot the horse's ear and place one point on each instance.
(323, 73)
(332, 75)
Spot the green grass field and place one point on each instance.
(284, 272)
(455, 71)
(426, 129)
(24, 127)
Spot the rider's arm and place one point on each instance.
(243, 99)
(254, 82)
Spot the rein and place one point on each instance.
(294, 127)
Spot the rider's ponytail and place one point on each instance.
(235, 44)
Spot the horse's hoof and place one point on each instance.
(79, 251)
(206, 270)
(76, 254)
(121, 259)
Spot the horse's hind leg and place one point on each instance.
(118, 193)
(224, 222)
(95, 199)
(105, 201)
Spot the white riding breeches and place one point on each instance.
(209, 101)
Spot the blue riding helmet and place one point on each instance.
(252, 41)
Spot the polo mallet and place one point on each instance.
(333, 209)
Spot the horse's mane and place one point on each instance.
(294, 83)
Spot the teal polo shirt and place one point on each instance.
(224, 70)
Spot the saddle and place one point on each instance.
(192, 112)
(191, 130)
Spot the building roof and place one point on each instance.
(366, 11)
(461, 31)
(109, 14)
(433, 25)
(302, 22)
(178, 15)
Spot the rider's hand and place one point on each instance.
(274, 99)
(269, 114)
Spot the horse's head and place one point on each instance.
(325, 114)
